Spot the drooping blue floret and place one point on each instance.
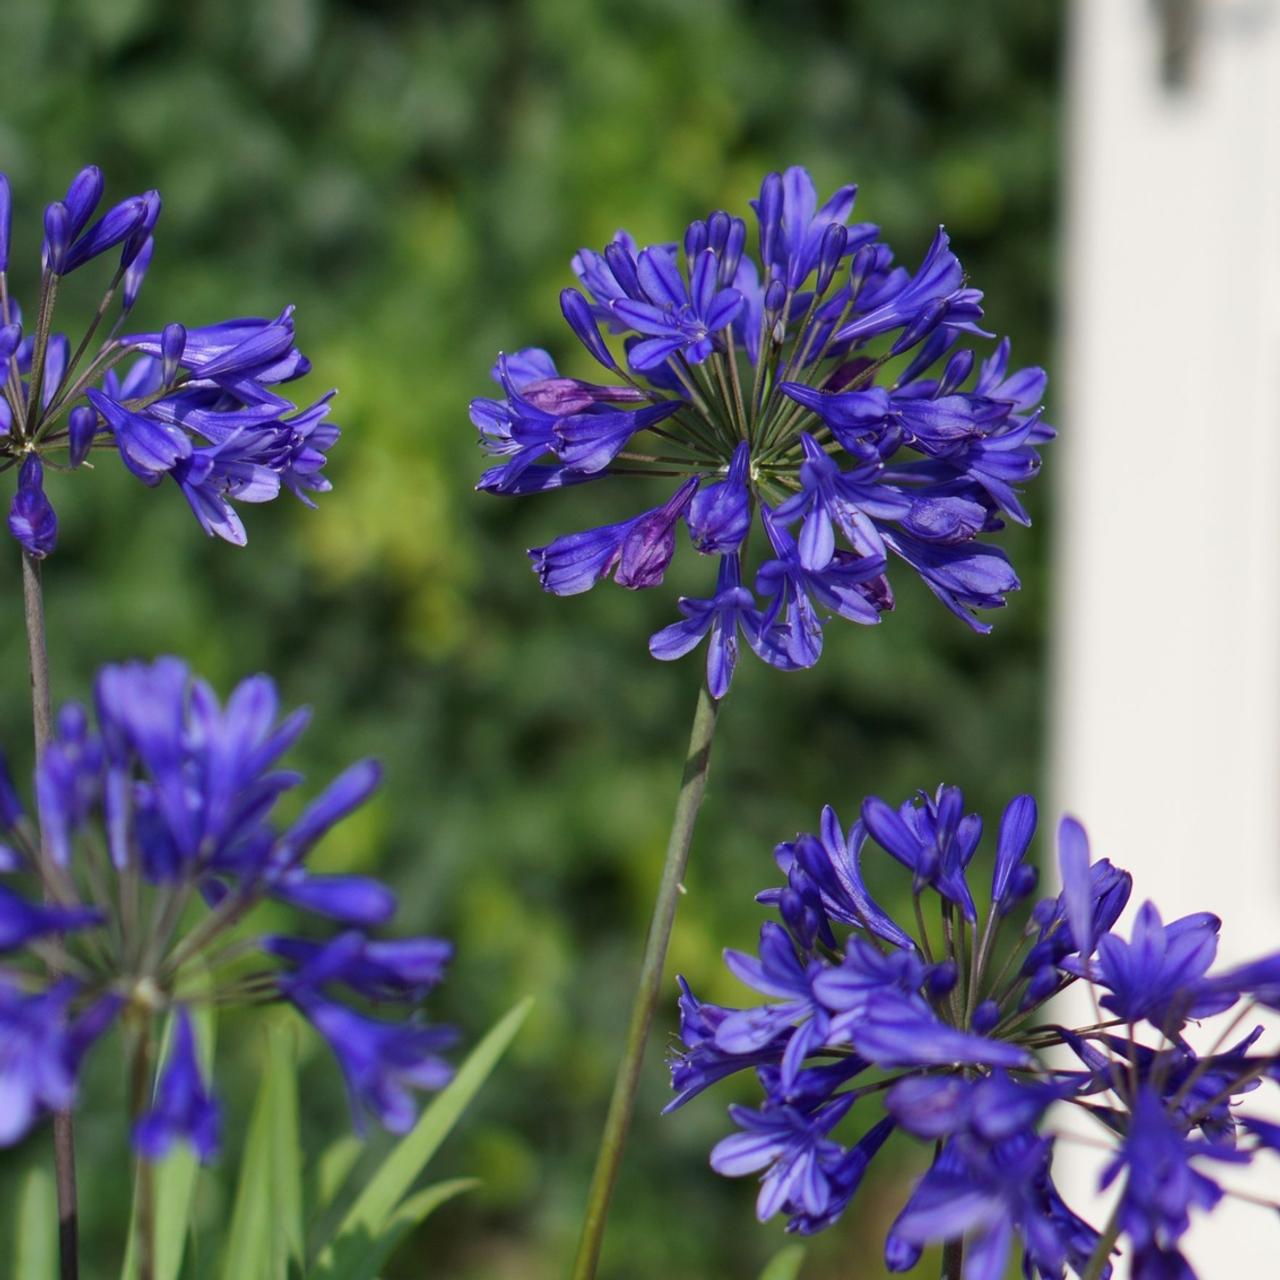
(182, 1109)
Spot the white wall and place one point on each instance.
(1167, 690)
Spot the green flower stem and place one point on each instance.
(622, 1103)
(64, 1151)
(144, 1202)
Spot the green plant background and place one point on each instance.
(415, 176)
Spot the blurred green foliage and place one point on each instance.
(415, 177)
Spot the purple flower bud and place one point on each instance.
(1041, 986)
(986, 1017)
(619, 260)
(695, 239)
(1022, 883)
(718, 230)
(57, 353)
(6, 217)
(834, 239)
(769, 212)
(173, 342)
(731, 255)
(577, 311)
(57, 236)
(140, 239)
(117, 224)
(136, 272)
(82, 198)
(32, 520)
(924, 323)
(564, 396)
(648, 548)
(774, 297)
(942, 978)
(957, 372)
(861, 266)
(82, 425)
(10, 340)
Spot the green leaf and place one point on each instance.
(359, 1257)
(286, 1144)
(35, 1237)
(373, 1209)
(175, 1176)
(333, 1168)
(266, 1222)
(785, 1264)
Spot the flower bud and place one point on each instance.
(577, 311)
(140, 239)
(861, 266)
(986, 1017)
(173, 342)
(834, 239)
(732, 253)
(942, 978)
(82, 198)
(56, 237)
(32, 520)
(925, 322)
(957, 371)
(718, 230)
(82, 426)
(136, 272)
(10, 340)
(6, 216)
(769, 211)
(695, 239)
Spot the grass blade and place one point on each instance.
(375, 1205)
(358, 1257)
(35, 1233)
(266, 1221)
(785, 1264)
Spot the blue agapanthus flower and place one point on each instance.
(819, 394)
(200, 406)
(154, 812)
(862, 1027)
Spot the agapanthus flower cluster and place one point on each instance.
(820, 399)
(133, 896)
(935, 1030)
(199, 406)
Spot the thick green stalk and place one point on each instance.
(64, 1152)
(622, 1103)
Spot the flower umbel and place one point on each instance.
(199, 406)
(821, 389)
(872, 1027)
(156, 814)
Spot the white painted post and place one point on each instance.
(1167, 631)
